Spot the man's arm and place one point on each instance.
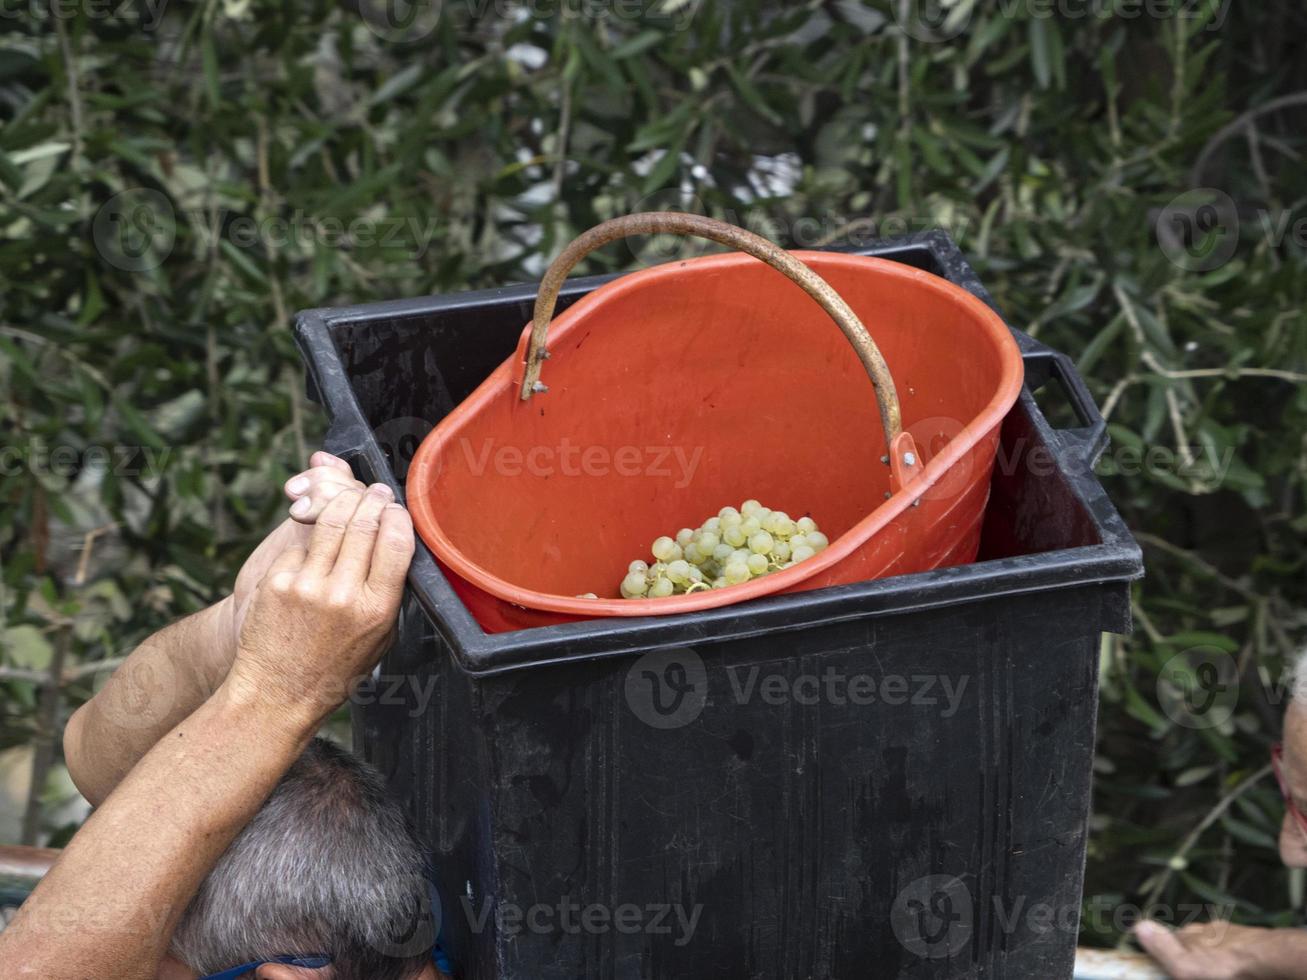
(319, 622)
(171, 674)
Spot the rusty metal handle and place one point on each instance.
(672, 222)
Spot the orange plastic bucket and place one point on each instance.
(685, 387)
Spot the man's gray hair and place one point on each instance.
(328, 865)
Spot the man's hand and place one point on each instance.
(172, 672)
(309, 492)
(322, 615)
(1223, 951)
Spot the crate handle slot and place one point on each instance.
(1091, 435)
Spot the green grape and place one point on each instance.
(634, 584)
(737, 572)
(733, 546)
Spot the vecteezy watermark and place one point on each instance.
(415, 914)
(936, 21)
(568, 917)
(135, 229)
(401, 21)
(835, 687)
(667, 688)
(1106, 916)
(410, 21)
(1199, 687)
(408, 691)
(933, 917)
(932, 21)
(399, 438)
(568, 459)
(817, 230)
(144, 14)
(41, 458)
(1199, 229)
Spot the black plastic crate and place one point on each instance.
(590, 789)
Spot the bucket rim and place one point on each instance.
(425, 461)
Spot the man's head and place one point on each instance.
(329, 865)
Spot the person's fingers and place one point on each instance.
(281, 573)
(392, 553)
(355, 555)
(1162, 945)
(324, 458)
(1205, 935)
(313, 489)
(329, 531)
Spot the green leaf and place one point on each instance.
(28, 648)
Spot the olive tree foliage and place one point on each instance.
(178, 178)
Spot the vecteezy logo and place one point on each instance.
(932, 916)
(1199, 229)
(399, 438)
(135, 229)
(1199, 688)
(401, 21)
(650, 250)
(415, 915)
(667, 688)
(147, 691)
(931, 21)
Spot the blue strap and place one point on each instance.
(312, 962)
(438, 956)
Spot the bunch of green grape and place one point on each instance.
(728, 549)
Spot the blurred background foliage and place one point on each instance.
(177, 178)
